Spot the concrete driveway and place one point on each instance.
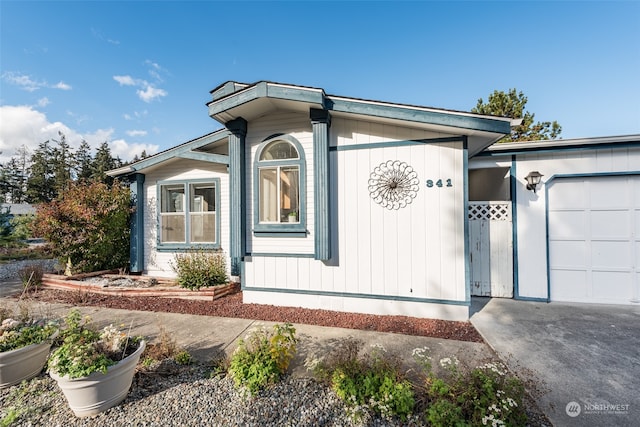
(586, 356)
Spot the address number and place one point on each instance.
(439, 183)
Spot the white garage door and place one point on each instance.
(594, 236)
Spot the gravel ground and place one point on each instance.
(171, 395)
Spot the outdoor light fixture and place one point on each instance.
(533, 179)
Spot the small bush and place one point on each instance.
(262, 357)
(485, 395)
(199, 269)
(31, 275)
(367, 383)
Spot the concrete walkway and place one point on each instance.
(586, 355)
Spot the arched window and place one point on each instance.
(279, 186)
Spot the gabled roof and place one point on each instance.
(524, 147)
(249, 101)
(187, 150)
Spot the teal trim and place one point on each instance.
(394, 143)
(173, 246)
(531, 299)
(205, 157)
(357, 295)
(284, 228)
(265, 90)
(321, 122)
(547, 184)
(559, 147)
(136, 244)
(280, 255)
(467, 245)
(405, 113)
(180, 150)
(513, 180)
(226, 89)
(318, 99)
(237, 193)
(279, 231)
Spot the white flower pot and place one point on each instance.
(98, 392)
(23, 363)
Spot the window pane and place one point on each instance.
(172, 228)
(203, 227)
(268, 195)
(203, 198)
(172, 198)
(289, 194)
(279, 150)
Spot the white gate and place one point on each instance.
(490, 252)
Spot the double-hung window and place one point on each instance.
(279, 186)
(189, 213)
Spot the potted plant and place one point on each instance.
(293, 216)
(24, 347)
(94, 368)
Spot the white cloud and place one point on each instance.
(137, 132)
(24, 125)
(151, 93)
(43, 102)
(25, 82)
(125, 80)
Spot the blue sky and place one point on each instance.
(138, 73)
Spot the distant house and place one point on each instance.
(19, 209)
(346, 204)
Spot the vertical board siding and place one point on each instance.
(416, 251)
(158, 263)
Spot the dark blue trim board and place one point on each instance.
(465, 195)
(548, 183)
(396, 143)
(237, 190)
(279, 255)
(559, 147)
(354, 295)
(321, 122)
(136, 242)
(513, 182)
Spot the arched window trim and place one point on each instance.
(298, 229)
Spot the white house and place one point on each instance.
(346, 204)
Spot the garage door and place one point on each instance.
(594, 229)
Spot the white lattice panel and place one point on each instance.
(490, 211)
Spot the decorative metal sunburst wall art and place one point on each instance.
(393, 184)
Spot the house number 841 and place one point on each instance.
(439, 183)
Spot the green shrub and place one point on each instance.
(369, 382)
(89, 225)
(485, 395)
(199, 269)
(262, 357)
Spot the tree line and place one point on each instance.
(40, 176)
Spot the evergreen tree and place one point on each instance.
(102, 163)
(512, 105)
(41, 182)
(83, 162)
(62, 164)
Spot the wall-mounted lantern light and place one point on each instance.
(533, 179)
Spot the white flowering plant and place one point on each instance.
(84, 349)
(486, 395)
(15, 333)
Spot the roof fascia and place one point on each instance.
(460, 120)
(179, 151)
(555, 145)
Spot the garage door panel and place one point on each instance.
(568, 225)
(611, 286)
(613, 255)
(569, 198)
(574, 285)
(609, 193)
(568, 254)
(610, 224)
(599, 217)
